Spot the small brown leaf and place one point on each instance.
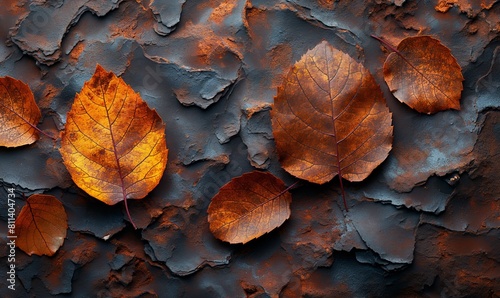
(248, 207)
(113, 145)
(19, 113)
(330, 118)
(424, 75)
(41, 225)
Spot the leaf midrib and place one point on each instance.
(251, 211)
(399, 54)
(12, 110)
(336, 144)
(115, 150)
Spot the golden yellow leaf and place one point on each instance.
(113, 145)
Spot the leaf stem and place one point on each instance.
(292, 186)
(392, 48)
(343, 193)
(43, 133)
(287, 189)
(387, 44)
(128, 214)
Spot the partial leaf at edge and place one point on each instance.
(19, 113)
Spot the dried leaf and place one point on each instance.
(19, 113)
(113, 145)
(330, 118)
(41, 225)
(424, 75)
(249, 206)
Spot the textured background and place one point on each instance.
(425, 223)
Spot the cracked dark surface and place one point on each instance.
(425, 223)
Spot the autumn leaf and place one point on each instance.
(330, 118)
(249, 206)
(19, 114)
(113, 145)
(41, 225)
(423, 74)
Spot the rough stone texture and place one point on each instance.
(41, 32)
(167, 14)
(425, 223)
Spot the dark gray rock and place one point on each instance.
(387, 231)
(41, 32)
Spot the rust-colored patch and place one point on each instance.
(444, 5)
(17, 7)
(327, 4)
(222, 11)
(209, 51)
(256, 19)
(76, 52)
(49, 92)
(471, 8)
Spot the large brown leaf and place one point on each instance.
(330, 118)
(113, 145)
(424, 75)
(19, 113)
(41, 225)
(248, 207)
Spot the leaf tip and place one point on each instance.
(99, 68)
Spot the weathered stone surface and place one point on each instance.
(389, 232)
(425, 223)
(41, 32)
(167, 14)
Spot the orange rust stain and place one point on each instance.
(257, 21)
(49, 92)
(76, 52)
(220, 12)
(205, 50)
(443, 6)
(328, 4)
(16, 7)
(442, 243)
(213, 51)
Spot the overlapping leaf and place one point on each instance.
(41, 225)
(113, 145)
(248, 207)
(330, 118)
(424, 74)
(19, 113)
